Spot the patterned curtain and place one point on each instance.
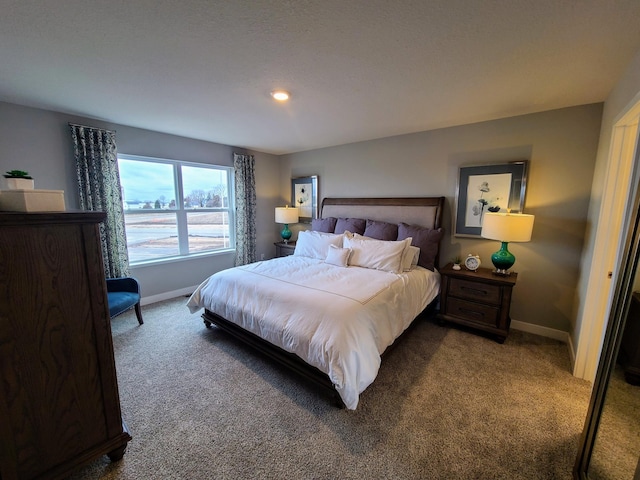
(245, 209)
(99, 188)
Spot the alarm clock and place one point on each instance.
(472, 262)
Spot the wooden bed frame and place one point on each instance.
(423, 211)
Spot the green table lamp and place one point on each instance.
(506, 227)
(286, 215)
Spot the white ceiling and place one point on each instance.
(356, 70)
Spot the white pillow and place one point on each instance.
(410, 258)
(377, 254)
(338, 256)
(316, 244)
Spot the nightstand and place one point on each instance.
(284, 249)
(480, 300)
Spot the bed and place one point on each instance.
(354, 285)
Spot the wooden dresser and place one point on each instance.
(59, 401)
(480, 299)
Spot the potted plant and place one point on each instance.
(18, 180)
(456, 262)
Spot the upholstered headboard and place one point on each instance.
(423, 211)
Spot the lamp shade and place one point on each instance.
(286, 215)
(507, 227)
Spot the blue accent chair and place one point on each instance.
(123, 294)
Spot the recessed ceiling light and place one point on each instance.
(280, 95)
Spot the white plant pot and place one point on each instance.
(19, 183)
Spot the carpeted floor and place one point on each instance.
(446, 404)
(615, 455)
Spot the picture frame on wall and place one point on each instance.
(304, 195)
(488, 188)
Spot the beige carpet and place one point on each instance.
(615, 454)
(446, 404)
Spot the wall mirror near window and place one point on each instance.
(610, 443)
(175, 209)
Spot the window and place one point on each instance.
(174, 208)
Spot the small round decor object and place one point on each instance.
(472, 262)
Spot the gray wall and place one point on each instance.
(624, 94)
(561, 146)
(39, 141)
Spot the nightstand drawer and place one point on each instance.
(480, 292)
(479, 299)
(473, 312)
(285, 249)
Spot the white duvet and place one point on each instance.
(340, 320)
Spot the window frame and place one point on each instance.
(182, 212)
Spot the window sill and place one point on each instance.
(181, 258)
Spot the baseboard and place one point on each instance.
(572, 352)
(515, 324)
(542, 331)
(167, 295)
(549, 333)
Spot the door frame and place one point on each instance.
(614, 216)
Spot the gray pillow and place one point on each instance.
(426, 239)
(354, 225)
(381, 230)
(326, 225)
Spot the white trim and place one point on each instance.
(540, 330)
(613, 217)
(572, 351)
(546, 332)
(515, 324)
(181, 212)
(183, 258)
(167, 295)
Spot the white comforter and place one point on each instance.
(337, 319)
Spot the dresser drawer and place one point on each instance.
(473, 312)
(480, 292)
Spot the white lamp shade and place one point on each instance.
(507, 227)
(286, 215)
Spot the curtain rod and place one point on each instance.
(88, 126)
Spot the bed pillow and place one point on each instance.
(410, 258)
(376, 254)
(426, 239)
(381, 230)
(338, 256)
(316, 244)
(355, 225)
(327, 225)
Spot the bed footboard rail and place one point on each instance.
(287, 359)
